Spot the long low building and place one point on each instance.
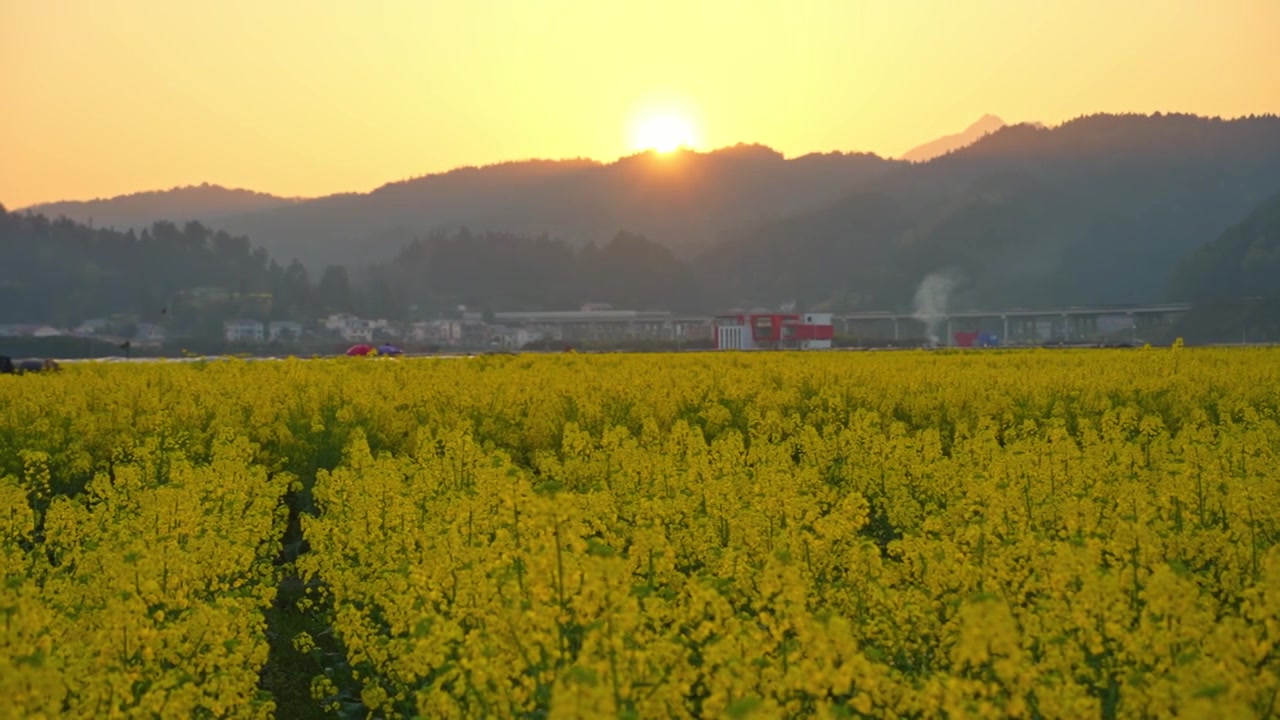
(1009, 326)
(1128, 323)
(605, 325)
(569, 316)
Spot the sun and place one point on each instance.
(663, 131)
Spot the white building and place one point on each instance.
(338, 321)
(243, 331)
(352, 328)
(284, 330)
(357, 333)
(448, 332)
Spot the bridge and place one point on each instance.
(1075, 323)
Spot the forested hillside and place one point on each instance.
(1098, 210)
(506, 271)
(63, 272)
(1234, 281)
(686, 201)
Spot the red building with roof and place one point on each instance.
(773, 331)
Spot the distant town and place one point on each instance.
(467, 330)
(601, 326)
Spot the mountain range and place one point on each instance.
(1099, 209)
(687, 200)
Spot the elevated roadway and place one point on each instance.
(1056, 324)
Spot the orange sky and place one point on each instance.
(308, 97)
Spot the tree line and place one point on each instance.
(61, 272)
(193, 277)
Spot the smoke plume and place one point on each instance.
(931, 302)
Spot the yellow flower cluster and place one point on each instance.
(142, 595)
(1036, 534)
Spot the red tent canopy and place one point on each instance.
(361, 349)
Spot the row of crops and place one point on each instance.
(1037, 534)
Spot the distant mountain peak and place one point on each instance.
(986, 123)
(983, 126)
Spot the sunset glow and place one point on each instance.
(663, 132)
(306, 98)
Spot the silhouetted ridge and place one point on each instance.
(687, 200)
(1101, 209)
(1097, 210)
(138, 210)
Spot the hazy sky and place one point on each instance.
(307, 97)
